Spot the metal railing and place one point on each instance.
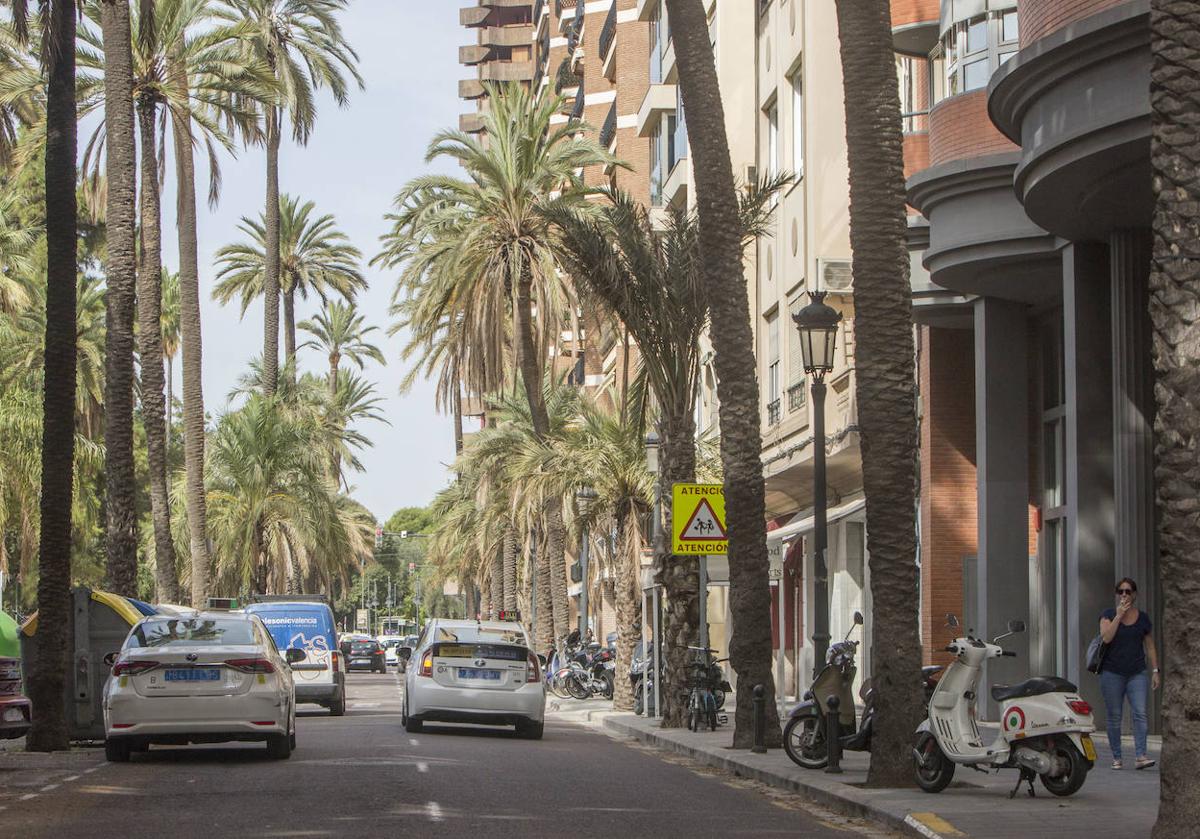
(566, 76)
(609, 33)
(774, 412)
(797, 397)
(914, 122)
(576, 31)
(577, 111)
(608, 132)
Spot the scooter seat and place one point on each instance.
(1032, 687)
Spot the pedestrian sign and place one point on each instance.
(698, 519)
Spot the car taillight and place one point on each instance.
(426, 665)
(335, 660)
(250, 665)
(1079, 706)
(132, 668)
(533, 670)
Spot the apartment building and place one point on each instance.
(1035, 370)
(502, 52)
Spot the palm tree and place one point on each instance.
(338, 332)
(121, 537)
(314, 256)
(475, 250)
(170, 338)
(884, 373)
(21, 99)
(47, 676)
(302, 42)
(1176, 358)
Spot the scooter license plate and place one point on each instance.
(1089, 749)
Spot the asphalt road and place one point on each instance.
(362, 776)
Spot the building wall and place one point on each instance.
(1041, 17)
(959, 128)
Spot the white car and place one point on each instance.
(481, 672)
(199, 677)
(390, 644)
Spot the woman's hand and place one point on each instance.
(1155, 681)
(1124, 606)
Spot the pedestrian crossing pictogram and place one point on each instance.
(704, 526)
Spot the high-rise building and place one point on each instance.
(502, 52)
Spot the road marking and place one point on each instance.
(412, 741)
(422, 767)
(49, 787)
(70, 778)
(89, 771)
(28, 796)
(931, 825)
(434, 811)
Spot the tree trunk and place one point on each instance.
(48, 674)
(271, 255)
(456, 408)
(335, 459)
(556, 566)
(192, 350)
(543, 596)
(289, 324)
(260, 570)
(884, 377)
(1174, 291)
(512, 553)
(120, 539)
(496, 582)
(737, 380)
(150, 357)
(170, 402)
(628, 600)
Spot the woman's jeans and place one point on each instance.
(1116, 689)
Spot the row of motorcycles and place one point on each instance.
(1045, 729)
(582, 668)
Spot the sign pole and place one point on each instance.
(703, 600)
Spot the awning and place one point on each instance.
(805, 525)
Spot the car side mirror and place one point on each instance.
(111, 659)
(404, 653)
(858, 618)
(294, 655)
(1016, 626)
(541, 660)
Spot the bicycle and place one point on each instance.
(703, 686)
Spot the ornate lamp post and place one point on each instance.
(818, 325)
(585, 499)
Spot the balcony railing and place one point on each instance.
(608, 132)
(558, 7)
(577, 111)
(797, 397)
(538, 6)
(566, 76)
(774, 412)
(914, 122)
(575, 33)
(609, 33)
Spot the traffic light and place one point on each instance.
(378, 538)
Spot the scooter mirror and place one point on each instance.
(1016, 626)
(951, 620)
(858, 618)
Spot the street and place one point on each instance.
(361, 775)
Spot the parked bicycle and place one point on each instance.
(707, 688)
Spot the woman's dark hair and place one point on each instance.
(1125, 580)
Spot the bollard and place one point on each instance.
(760, 721)
(833, 736)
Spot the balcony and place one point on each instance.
(797, 397)
(470, 89)
(608, 34)
(507, 71)
(507, 36)
(470, 123)
(577, 110)
(774, 413)
(608, 132)
(566, 77)
(659, 99)
(472, 54)
(675, 189)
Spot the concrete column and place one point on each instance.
(1002, 475)
(1087, 356)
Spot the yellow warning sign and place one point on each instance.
(698, 519)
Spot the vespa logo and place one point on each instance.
(192, 656)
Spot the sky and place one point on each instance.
(354, 164)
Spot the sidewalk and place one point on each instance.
(976, 805)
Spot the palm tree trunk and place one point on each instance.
(884, 376)
(627, 595)
(335, 465)
(512, 552)
(271, 255)
(150, 356)
(121, 539)
(456, 408)
(192, 350)
(170, 401)
(496, 582)
(289, 324)
(1174, 150)
(556, 566)
(47, 677)
(543, 596)
(737, 379)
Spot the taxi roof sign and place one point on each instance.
(698, 519)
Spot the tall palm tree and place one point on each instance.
(737, 380)
(170, 338)
(314, 257)
(302, 42)
(885, 374)
(475, 250)
(339, 332)
(1173, 148)
(47, 676)
(121, 537)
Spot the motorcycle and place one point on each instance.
(805, 738)
(1045, 729)
(640, 669)
(585, 671)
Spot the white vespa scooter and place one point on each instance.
(1045, 726)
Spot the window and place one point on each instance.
(656, 167)
(798, 125)
(660, 37)
(773, 140)
(971, 50)
(797, 392)
(677, 133)
(773, 373)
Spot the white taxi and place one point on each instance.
(199, 677)
(482, 672)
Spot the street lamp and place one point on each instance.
(585, 500)
(818, 325)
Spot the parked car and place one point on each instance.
(367, 654)
(307, 625)
(207, 677)
(482, 672)
(390, 643)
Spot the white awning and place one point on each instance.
(805, 525)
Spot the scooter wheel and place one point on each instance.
(804, 742)
(937, 770)
(1077, 768)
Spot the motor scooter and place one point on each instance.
(1045, 728)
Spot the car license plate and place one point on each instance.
(194, 674)
(1089, 749)
(472, 673)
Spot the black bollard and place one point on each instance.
(833, 736)
(760, 721)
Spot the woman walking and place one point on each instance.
(1123, 674)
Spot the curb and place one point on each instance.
(848, 801)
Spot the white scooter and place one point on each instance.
(1045, 725)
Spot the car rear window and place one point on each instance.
(192, 632)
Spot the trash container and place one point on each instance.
(99, 623)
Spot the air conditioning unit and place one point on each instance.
(836, 275)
